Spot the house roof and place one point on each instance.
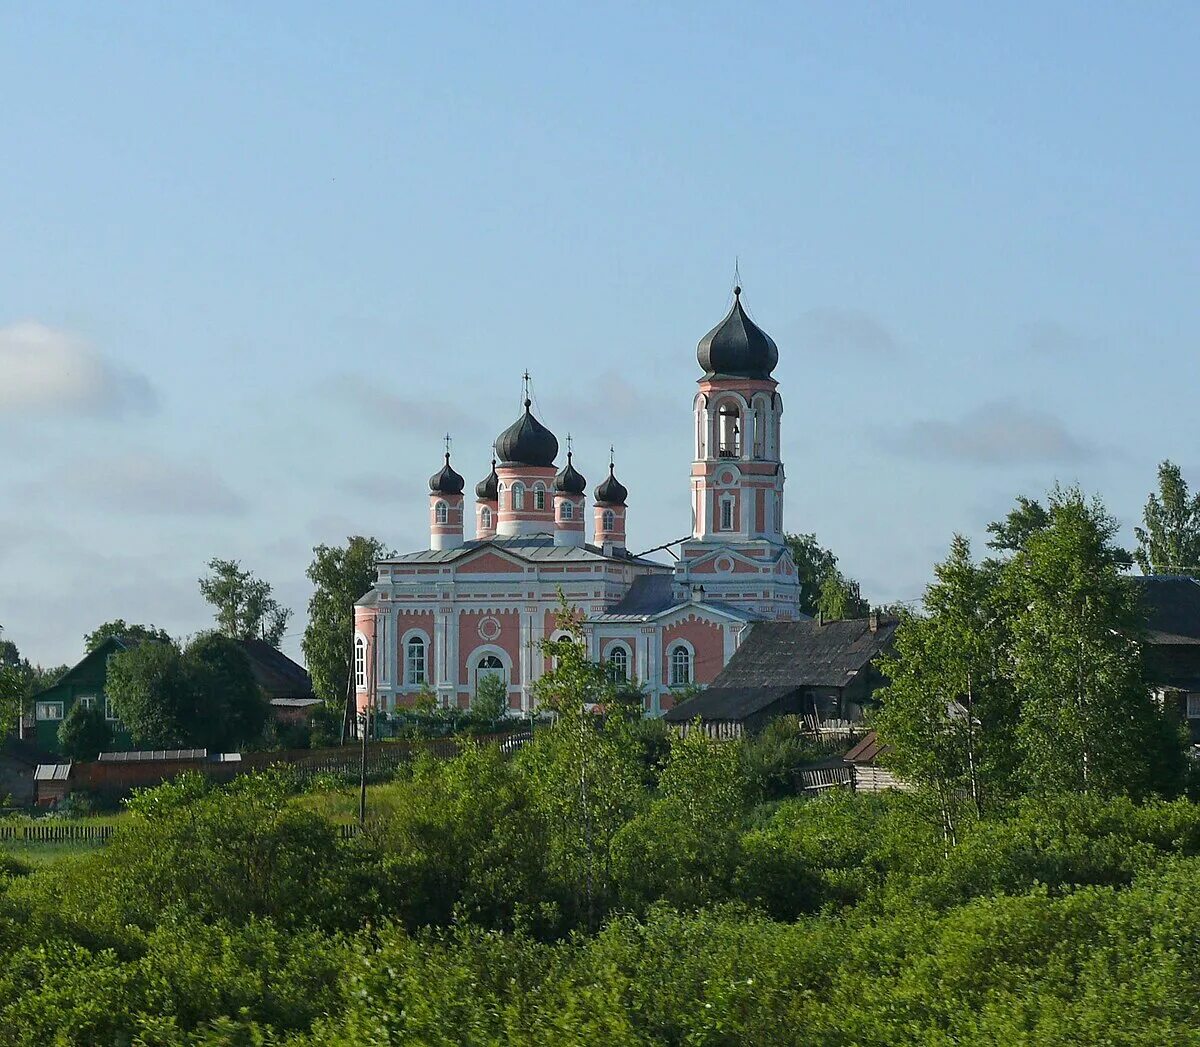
(275, 672)
(867, 751)
(653, 595)
(805, 653)
(152, 755)
(726, 703)
(52, 772)
(1172, 607)
(110, 645)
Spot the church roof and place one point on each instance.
(488, 489)
(527, 442)
(737, 347)
(570, 480)
(610, 490)
(653, 595)
(446, 480)
(535, 548)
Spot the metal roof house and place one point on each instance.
(818, 670)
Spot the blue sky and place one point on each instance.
(257, 258)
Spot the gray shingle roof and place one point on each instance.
(1172, 607)
(726, 703)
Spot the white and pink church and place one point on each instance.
(445, 616)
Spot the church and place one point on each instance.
(443, 617)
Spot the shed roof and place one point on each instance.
(805, 653)
(153, 755)
(716, 704)
(866, 751)
(275, 672)
(52, 772)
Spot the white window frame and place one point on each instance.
(566, 511)
(441, 513)
(518, 496)
(360, 662)
(622, 649)
(688, 661)
(110, 714)
(539, 496)
(1193, 705)
(485, 518)
(49, 711)
(88, 701)
(410, 674)
(608, 520)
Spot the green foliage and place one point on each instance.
(772, 760)
(823, 588)
(1025, 520)
(242, 604)
(491, 697)
(1170, 541)
(126, 631)
(340, 576)
(84, 733)
(204, 697)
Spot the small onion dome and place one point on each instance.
(446, 480)
(737, 347)
(568, 480)
(611, 491)
(488, 489)
(527, 442)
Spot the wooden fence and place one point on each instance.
(51, 833)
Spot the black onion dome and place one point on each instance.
(737, 347)
(488, 489)
(611, 491)
(569, 480)
(446, 480)
(527, 442)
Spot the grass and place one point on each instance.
(41, 855)
(340, 805)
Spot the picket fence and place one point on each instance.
(56, 833)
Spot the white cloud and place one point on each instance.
(42, 369)
(1002, 432)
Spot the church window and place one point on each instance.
(567, 512)
(360, 662)
(681, 666)
(726, 514)
(778, 514)
(485, 518)
(608, 520)
(518, 496)
(618, 664)
(414, 668)
(488, 665)
(441, 513)
(760, 431)
(539, 497)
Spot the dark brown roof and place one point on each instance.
(726, 703)
(866, 751)
(805, 653)
(1172, 607)
(275, 672)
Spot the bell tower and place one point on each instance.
(737, 472)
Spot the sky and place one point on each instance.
(255, 259)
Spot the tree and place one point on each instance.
(245, 608)
(126, 631)
(823, 588)
(947, 714)
(491, 697)
(84, 732)
(1011, 533)
(1170, 541)
(340, 577)
(204, 697)
(1087, 722)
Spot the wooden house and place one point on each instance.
(1171, 643)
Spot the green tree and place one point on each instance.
(84, 732)
(231, 708)
(491, 697)
(1087, 721)
(244, 607)
(1170, 541)
(126, 631)
(823, 588)
(1026, 519)
(340, 576)
(947, 713)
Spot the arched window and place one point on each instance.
(485, 518)
(441, 513)
(729, 431)
(566, 511)
(539, 496)
(726, 514)
(360, 662)
(618, 663)
(608, 520)
(489, 664)
(760, 429)
(414, 662)
(518, 496)
(681, 666)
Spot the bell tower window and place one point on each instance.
(567, 512)
(518, 496)
(608, 519)
(441, 513)
(729, 423)
(727, 513)
(539, 497)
